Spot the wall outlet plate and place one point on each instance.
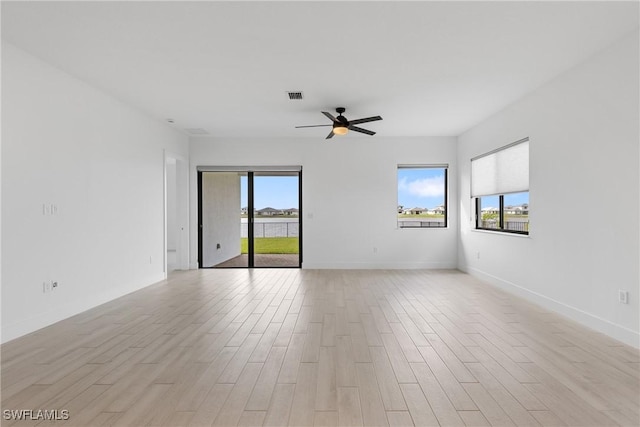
(623, 297)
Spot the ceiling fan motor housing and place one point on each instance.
(341, 120)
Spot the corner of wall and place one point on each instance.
(575, 271)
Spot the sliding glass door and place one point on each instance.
(249, 218)
(276, 226)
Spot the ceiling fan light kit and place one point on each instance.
(340, 129)
(341, 126)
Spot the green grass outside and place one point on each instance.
(507, 217)
(271, 245)
(271, 216)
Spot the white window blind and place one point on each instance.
(501, 171)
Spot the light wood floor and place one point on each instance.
(320, 347)
(262, 260)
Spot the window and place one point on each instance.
(506, 212)
(422, 196)
(500, 186)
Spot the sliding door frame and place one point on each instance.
(250, 217)
(200, 220)
(250, 207)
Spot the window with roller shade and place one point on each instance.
(500, 188)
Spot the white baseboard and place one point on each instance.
(589, 320)
(23, 327)
(376, 266)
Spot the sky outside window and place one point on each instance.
(516, 199)
(278, 192)
(420, 187)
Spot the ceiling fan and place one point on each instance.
(341, 125)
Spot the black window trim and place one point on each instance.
(501, 228)
(445, 167)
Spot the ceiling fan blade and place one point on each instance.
(357, 129)
(333, 119)
(311, 126)
(330, 134)
(365, 120)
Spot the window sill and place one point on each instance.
(422, 228)
(501, 233)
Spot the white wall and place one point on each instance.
(583, 245)
(101, 163)
(221, 217)
(349, 196)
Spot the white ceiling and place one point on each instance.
(428, 68)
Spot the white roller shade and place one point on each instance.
(502, 171)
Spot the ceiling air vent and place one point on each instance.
(295, 95)
(197, 131)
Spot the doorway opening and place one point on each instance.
(176, 213)
(250, 217)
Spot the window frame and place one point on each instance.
(445, 168)
(500, 229)
(501, 188)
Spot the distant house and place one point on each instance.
(268, 211)
(290, 211)
(244, 210)
(517, 210)
(439, 210)
(490, 210)
(414, 211)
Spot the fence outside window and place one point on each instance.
(271, 229)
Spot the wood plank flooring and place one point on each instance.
(296, 347)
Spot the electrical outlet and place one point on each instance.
(623, 297)
(54, 285)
